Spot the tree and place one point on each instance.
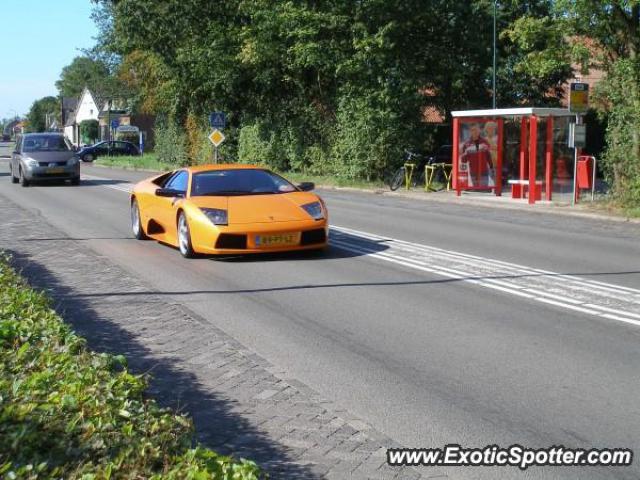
(606, 36)
(332, 86)
(85, 72)
(534, 54)
(46, 108)
(145, 75)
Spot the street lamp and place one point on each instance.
(495, 8)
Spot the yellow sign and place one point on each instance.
(579, 97)
(216, 137)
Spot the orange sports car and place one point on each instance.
(228, 209)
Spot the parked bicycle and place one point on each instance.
(411, 173)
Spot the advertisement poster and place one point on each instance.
(478, 154)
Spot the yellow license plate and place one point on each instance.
(277, 240)
(55, 170)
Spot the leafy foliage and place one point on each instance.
(41, 109)
(171, 143)
(622, 158)
(86, 72)
(89, 131)
(67, 412)
(326, 87)
(607, 37)
(338, 88)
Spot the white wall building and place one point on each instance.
(86, 109)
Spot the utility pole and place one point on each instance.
(495, 13)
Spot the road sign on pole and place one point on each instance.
(579, 98)
(216, 138)
(218, 120)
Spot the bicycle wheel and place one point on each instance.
(397, 179)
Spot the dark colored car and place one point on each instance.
(444, 154)
(107, 149)
(43, 156)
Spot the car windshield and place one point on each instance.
(45, 143)
(238, 182)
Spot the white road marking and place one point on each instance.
(605, 300)
(614, 302)
(122, 187)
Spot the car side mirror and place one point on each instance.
(169, 192)
(307, 186)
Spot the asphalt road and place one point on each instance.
(383, 327)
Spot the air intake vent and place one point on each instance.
(231, 241)
(312, 237)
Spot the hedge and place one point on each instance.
(69, 412)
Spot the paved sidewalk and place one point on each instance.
(240, 403)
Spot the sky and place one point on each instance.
(39, 37)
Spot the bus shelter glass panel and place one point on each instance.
(512, 149)
(563, 160)
(478, 146)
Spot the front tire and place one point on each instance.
(88, 158)
(136, 223)
(75, 181)
(23, 180)
(184, 237)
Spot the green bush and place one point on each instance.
(260, 145)
(622, 158)
(89, 131)
(67, 412)
(369, 138)
(171, 143)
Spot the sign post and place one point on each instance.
(217, 120)
(578, 104)
(216, 138)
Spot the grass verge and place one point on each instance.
(605, 205)
(68, 412)
(148, 161)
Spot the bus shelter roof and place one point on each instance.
(514, 112)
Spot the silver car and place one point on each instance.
(44, 156)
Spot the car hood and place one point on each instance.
(282, 207)
(49, 156)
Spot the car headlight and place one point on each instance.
(73, 160)
(314, 209)
(216, 216)
(31, 162)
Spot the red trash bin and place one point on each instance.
(585, 172)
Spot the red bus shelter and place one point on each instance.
(524, 149)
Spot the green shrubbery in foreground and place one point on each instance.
(68, 412)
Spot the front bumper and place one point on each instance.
(64, 172)
(241, 239)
